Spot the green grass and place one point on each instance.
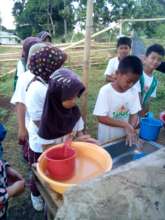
(6, 87)
(158, 104)
(3, 114)
(8, 49)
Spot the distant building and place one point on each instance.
(8, 38)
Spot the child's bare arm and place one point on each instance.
(22, 131)
(130, 131)
(86, 138)
(112, 122)
(16, 188)
(134, 120)
(13, 173)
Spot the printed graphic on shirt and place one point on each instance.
(121, 113)
(146, 88)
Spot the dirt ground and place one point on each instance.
(20, 208)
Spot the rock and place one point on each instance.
(135, 191)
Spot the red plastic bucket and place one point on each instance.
(61, 167)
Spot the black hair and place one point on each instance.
(157, 48)
(131, 64)
(124, 41)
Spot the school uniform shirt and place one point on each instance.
(112, 66)
(147, 84)
(20, 91)
(35, 98)
(20, 68)
(79, 126)
(115, 105)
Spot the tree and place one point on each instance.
(100, 13)
(52, 15)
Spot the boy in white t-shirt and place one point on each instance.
(123, 50)
(147, 85)
(117, 105)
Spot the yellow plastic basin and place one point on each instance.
(91, 161)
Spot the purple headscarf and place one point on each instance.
(56, 120)
(45, 61)
(27, 44)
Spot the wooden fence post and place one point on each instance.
(86, 60)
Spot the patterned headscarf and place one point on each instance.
(45, 61)
(27, 43)
(56, 120)
(43, 35)
(34, 49)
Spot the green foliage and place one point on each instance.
(100, 11)
(122, 9)
(59, 16)
(160, 31)
(35, 16)
(139, 9)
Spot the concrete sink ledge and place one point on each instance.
(135, 191)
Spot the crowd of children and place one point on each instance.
(45, 100)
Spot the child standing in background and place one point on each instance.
(21, 65)
(18, 99)
(147, 85)
(117, 105)
(123, 50)
(45, 36)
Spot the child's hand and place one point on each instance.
(87, 138)
(22, 135)
(130, 134)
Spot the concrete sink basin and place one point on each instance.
(122, 154)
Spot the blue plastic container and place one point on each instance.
(150, 128)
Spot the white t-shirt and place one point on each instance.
(112, 66)
(78, 127)
(20, 91)
(35, 98)
(147, 84)
(116, 105)
(20, 68)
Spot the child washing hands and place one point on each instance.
(61, 116)
(117, 105)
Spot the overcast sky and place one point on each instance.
(6, 13)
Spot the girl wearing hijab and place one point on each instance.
(42, 64)
(21, 65)
(18, 99)
(61, 116)
(45, 36)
